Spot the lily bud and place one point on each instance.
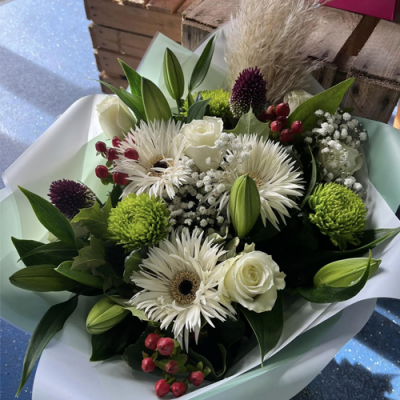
(244, 205)
(41, 278)
(104, 315)
(344, 273)
(173, 75)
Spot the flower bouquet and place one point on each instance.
(226, 215)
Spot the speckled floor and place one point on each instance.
(46, 63)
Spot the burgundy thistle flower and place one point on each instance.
(248, 91)
(69, 197)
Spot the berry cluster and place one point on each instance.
(111, 154)
(174, 363)
(278, 117)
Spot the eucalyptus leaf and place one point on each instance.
(202, 66)
(267, 326)
(197, 110)
(84, 277)
(173, 75)
(133, 261)
(327, 101)
(51, 218)
(134, 79)
(90, 257)
(249, 124)
(51, 323)
(24, 247)
(155, 104)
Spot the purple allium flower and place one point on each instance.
(248, 91)
(69, 197)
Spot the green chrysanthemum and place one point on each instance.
(218, 105)
(139, 221)
(339, 213)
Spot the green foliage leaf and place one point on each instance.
(134, 79)
(249, 124)
(24, 247)
(95, 219)
(52, 322)
(313, 181)
(229, 331)
(267, 326)
(155, 104)
(84, 277)
(90, 257)
(327, 101)
(133, 261)
(58, 250)
(198, 358)
(173, 75)
(41, 278)
(51, 218)
(332, 294)
(197, 110)
(135, 312)
(115, 195)
(202, 66)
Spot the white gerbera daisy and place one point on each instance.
(180, 280)
(273, 171)
(161, 163)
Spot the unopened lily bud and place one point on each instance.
(104, 315)
(244, 205)
(173, 75)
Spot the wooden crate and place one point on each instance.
(124, 29)
(346, 45)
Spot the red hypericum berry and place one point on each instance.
(283, 120)
(162, 388)
(101, 147)
(276, 126)
(112, 154)
(165, 346)
(120, 178)
(297, 127)
(171, 367)
(101, 171)
(116, 141)
(178, 389)
(132, 154)
(151, 341)
(196, 378)
(271, 111)
(282, 110)
(266, 117)
(286, 135)
(148, 365)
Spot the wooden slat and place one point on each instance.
(119, 41)
(193, 34)
(185, 6)
(108, 61)
(165, 6)
(116, 81)
(135, 3)
(133, 19)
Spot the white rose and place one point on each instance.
(115, 117)
(340, 159)
(252, 280)
(200, 141)
(295, 98)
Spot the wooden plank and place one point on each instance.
(135, 3)
(325, 75)
(116, 81)
(134, 20)
(108, 61)
(193, 34)
(185, 6)
(119, 41)
(164, 6)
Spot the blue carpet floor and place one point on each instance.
(46, 63)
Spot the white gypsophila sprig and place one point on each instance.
(179, 281)
(161, 164)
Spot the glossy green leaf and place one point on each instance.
(51, 323)
(23, 247)
(134, 311)
(58, 250)
(173, 75)
(190, 99)
(202, 66)
(90, 257)
(51, 218)
(332, 294)
(197, 110)
(95, 219)
(267, 326)
(84, 277)
(133, 261)
(327, 101)
(155, 104)
(134, 79)
(249, 124)
(313, 180)
(41, 278)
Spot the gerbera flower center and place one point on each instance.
(160, 164)
(256, 179)
(184, 286)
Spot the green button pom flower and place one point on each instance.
(139, 221)
(218, 105)
(339, 213)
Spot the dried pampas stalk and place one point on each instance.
(270, 35)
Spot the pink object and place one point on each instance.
(385, 9)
